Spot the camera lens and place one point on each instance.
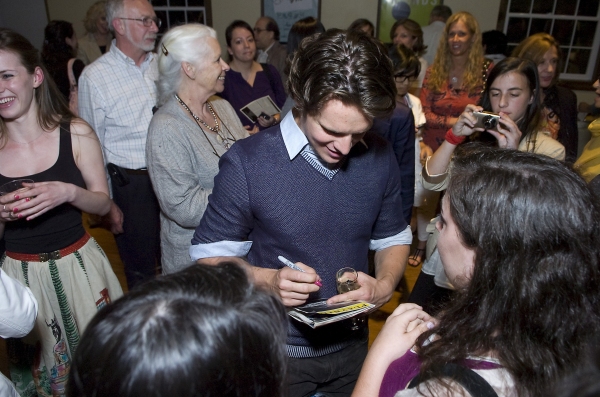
(489, 122)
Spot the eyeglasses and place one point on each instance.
(146, 21)
(258, 30)
(400, 79)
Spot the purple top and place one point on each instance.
(239, 93)
(403, 370)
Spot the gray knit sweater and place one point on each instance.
(182, 168)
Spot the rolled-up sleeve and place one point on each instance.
(228, 220)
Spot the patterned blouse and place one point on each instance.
(451, 102)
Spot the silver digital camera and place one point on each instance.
(487, 120)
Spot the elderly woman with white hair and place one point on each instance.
(188, 134)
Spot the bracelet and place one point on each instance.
(453, 139)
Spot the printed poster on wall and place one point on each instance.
(391, 10)
(287, 12)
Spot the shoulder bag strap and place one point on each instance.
(466, 377)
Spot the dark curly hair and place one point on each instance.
(532, 300)
(345, 65)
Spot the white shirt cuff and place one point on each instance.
(402, 238)
(220, 248)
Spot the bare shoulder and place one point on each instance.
(81, 128)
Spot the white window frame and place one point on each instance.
(206, 9)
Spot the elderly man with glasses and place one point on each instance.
(117, 93)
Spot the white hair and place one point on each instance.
(185, 43)
(113, 8)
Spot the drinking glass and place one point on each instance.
(14, 185)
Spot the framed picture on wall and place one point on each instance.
(389, 11)
(287, 12)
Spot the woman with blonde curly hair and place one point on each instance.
(97, 38)
(455, 79)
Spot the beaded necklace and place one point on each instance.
(221, 137)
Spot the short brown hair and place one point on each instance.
(344, 65)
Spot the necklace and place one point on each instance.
(216, 127)
(28, 142)
(221, 138)
(454, 80)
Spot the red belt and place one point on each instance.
(54, 255)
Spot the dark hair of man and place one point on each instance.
(406, 63)
(52, 108)
(530, 122)
(441, 11)
(272, 27)
(534, 294)
(495, 42)
(204, 331)
(348, 66)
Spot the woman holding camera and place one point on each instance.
(512, 94)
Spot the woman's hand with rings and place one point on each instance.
(10, 202)
(508, 133)
(465, 125)
(7, 214)
(39, 198)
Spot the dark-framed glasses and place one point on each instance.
(401, 79)
(146, 21)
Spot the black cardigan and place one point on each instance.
(564, 103)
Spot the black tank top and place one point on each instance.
(62, 225)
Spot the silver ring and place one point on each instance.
(4, 206)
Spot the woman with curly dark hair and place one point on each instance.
(519, 237)
(60, 45)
